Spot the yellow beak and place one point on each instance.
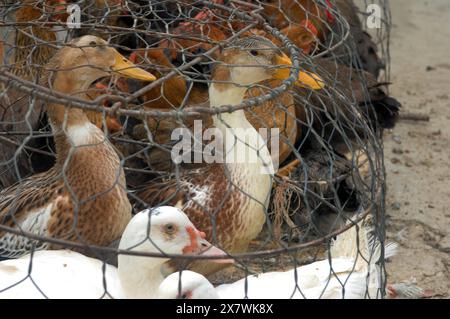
(126, 68)
(305, 79)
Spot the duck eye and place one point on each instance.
(254, 52)
(169, 228)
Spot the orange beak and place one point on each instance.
(305, 79)
(126, 68)
(200, 246)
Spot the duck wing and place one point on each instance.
(28, 206)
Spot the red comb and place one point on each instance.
(202, 15)
(330, 17)
(310, 26)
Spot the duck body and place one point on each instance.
(351, 273)
(70, 199)
(314, 281)
(58, 274)
(216, 197)
(221, 198)
(83, 196)
(229, 199)
(64, 274)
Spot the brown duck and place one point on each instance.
(83, 196)
(229, 201)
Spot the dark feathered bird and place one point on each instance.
(352, 105)
(328, 193)
(367, 52)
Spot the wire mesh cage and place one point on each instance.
(261, 120)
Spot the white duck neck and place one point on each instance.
(140, 277)
(230, 124)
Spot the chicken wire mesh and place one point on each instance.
(62, 188)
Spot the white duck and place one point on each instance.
(346, 276)
(68, 274)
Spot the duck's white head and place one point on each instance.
(250, 60)
(168, 230)
(165, 230)
(187, 285)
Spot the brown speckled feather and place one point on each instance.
(26, 61)
(85, 205)
(223, 210)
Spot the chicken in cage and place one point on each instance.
(231, 137)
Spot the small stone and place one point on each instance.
(408, 164)
(406, 203)
(396, 206)
(395, 160)
(436, 133)
(397, 139)
(430, 68)
(444, 244)
(397, 151)
(430, 206)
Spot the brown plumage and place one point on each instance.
(228, 200)
(367, 57)
(83, 196)
(342, 115)
(282, 14)
(288, 15)
(25, 60)
(275, 113)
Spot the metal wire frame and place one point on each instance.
(376, 187)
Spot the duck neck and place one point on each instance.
(71, 127)
(140, 277)
(244, 147)
(228, 95)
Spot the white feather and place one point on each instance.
(67, 274)
(345, 275)
(36, 222)
(84, 134)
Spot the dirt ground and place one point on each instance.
(417, 154)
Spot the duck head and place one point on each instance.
(253, 59)
(165, 230)
(87, 59)
(74, 68)
(168, 230)
(187, 285)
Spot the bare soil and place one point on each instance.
(417, 154)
